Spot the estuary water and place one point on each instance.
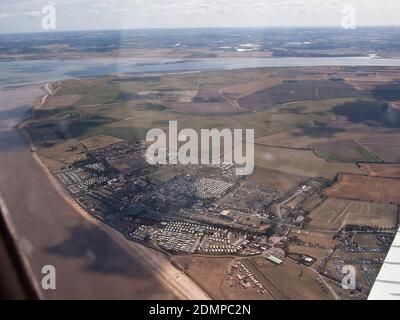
(39, 71)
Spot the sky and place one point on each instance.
(26, 15)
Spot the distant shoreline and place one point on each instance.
(58, 70)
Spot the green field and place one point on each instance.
(128, 107)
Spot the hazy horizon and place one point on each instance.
(22, 16)
(322, 27)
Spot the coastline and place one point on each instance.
(185, 288)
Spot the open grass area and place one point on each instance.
(337, 213)
(275, 179)
(287, 281)
(299, 162)
(210, 273)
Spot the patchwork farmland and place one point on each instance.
(344, 151)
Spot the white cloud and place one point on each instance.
(33, 14)
(83, 14)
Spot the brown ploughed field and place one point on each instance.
(366, 188)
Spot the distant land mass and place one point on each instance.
(203, 43)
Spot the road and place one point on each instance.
(278, 208)
(92, 260)
(234, 103)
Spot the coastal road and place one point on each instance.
(92, 260)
